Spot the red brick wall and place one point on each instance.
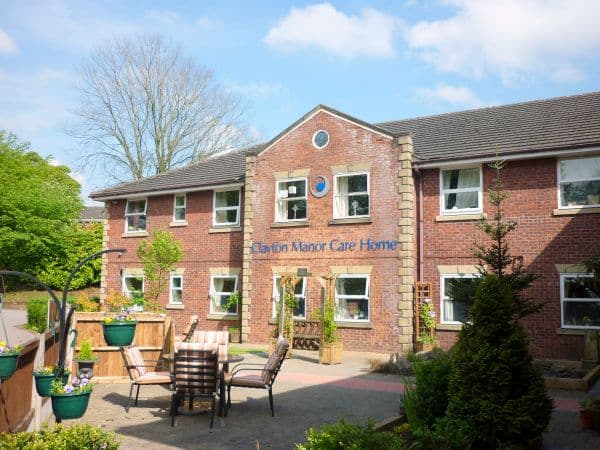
(541, 238)
(348, 144)
(202, 250)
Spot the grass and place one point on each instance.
(19, 299)
(235, 350)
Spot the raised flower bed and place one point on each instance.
(119, 330)
(9, 357)
(70, 401)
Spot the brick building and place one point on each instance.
(377, 207)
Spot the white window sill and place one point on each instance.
(179, 223)
(174, 306)
(351, 324)
(576, 331)
(576, 210)
(135, 234)
(297, 223)
(448, 326)
(222, 317)
(350, 220)
(225, 229)
(459, 217)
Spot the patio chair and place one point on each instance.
(138, 373)
(246, 376)
(195, 373)
(218, 338)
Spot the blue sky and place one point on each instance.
(377, 61)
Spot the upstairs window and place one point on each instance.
(461, 191)
(226, 210)
(352, 298)
(299, 293)
(579, 182)
(179, 208)
(580, 301)
(351, 196)
(135, 216)
(221, 288)
(291, 200)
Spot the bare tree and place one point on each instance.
(146, 108)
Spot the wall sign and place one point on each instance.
(320, 187)
(333, 245)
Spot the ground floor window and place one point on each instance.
(221, 288)
(299, 293)
(133, 285)
(453, 312)
(580, 301)
(352, 298)
(176, 292)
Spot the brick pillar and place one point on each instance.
(406, 237)
(103, 272)
(249, 189)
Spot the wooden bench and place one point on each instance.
(307, 334)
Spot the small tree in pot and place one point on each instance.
(330, 350)
(85, 359)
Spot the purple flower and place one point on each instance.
(75, 382)
(68, 388)
(84, 381)
(1, 349)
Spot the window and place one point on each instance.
(133, 285)
(299, 293)
(135, 216)
(179, 208)
(461, 190)
(226, 208)
(352, 298)
(351, 196)
(221, 287)
(453, 312)
(579, 182)
(291, 200)
(176, 292)
(580, 301)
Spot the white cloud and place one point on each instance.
(7, 43)
(455, 95)
(369, 34)
(514, 38)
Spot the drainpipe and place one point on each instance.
(420, 229)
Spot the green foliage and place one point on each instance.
(85, 350)
(39, 204)
(494, 387)
(37, 314)
(233, 300)
(74, 437)
(83, 303)
(330, 333)
(432, 378)
(445, 434)
(159, 257)
(350, 436)
(79, 241)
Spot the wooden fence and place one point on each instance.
(152, 336)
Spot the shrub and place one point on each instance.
(350, 436)
(78, 436)
(116, 301)
(85, 350)
(494, 387)
(84, 303)
(37, 314)
(445, 434)
(431, 386)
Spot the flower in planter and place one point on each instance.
(5, 350)
(124, 317)
(77, 386)
(48, 370)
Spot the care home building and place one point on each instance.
(381, 208)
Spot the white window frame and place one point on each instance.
(564, 300)
(127, 215)
(276, 299)
(444, 297)
(350, 297)
(175, 208)
(172, 288)
(213, 292)
(124, 289)
(560, 181)
(336, 193)
(443, 192)
(277, 199)
(226, 208)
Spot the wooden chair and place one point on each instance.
(244, 375)
(196, 374)
(138, 373)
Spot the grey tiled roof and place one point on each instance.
(220, 169)
(562, 122)
(92, 214)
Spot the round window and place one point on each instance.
(321, 139)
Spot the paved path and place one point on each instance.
(14, 320)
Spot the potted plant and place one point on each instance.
(234, 334)
(232, 300)
(119, 330)
(45, 376)
(290, 302)
(585, 413)
(426, 340)
(138, 303)
(9, 356)
(330, 351)
(70, 401)
(85, 359)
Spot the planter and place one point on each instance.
(85, 368)
(8, 365)
(234, 337)
(119, 334)
(43, 383)
(331, 353)
(70, 406)
(424, 346)
(585, 416)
